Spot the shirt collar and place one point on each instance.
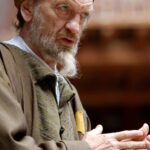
(20, 43)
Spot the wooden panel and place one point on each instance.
(121, 13)
(115, 69)
(114, 81)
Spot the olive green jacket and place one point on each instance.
(30, 118)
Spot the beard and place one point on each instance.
(45, 41)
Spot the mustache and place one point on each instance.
(74, 36)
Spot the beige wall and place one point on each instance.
(7, 19)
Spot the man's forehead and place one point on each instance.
(84, 2)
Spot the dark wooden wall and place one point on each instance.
(114, 77)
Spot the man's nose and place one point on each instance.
(74, 24)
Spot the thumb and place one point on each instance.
(97, 130)
(145, 129)
(148, 137)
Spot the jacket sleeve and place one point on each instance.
(13, 126)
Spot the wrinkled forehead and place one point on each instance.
(84, 2)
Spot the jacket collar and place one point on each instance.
(39, 68)
(41, 72)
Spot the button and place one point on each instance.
(62, 129)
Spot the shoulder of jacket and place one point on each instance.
(9, 47)
(15, 67)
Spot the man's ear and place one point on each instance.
(26, 10)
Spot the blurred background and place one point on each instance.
(114, 58)
(7, 19)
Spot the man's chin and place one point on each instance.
(69, 50)
(68, 63)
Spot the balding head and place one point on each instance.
(18, 2)
(33, 2)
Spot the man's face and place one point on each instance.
(57, 25)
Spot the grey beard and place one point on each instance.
(63, 56)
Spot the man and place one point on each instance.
(39, 107)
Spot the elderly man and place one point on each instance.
(39, 107)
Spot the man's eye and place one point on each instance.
(64, 8)
(64, 11)
(85, 15)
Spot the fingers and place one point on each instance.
(97, 130)
(131, 145)
(133, 139)
(112, 144)
(148, 137)
(145, 129)
(125, 135)
(140, 134)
